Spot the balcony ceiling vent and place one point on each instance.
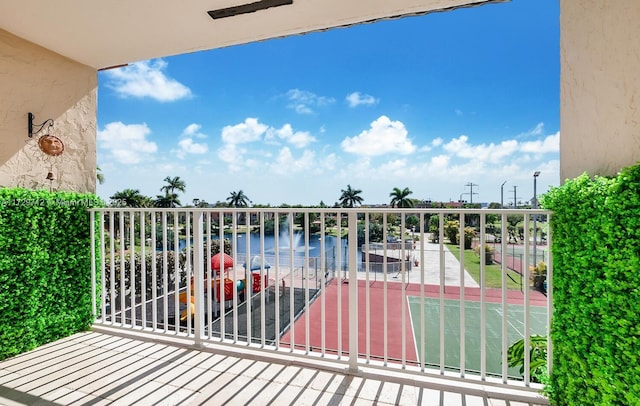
(247, 8)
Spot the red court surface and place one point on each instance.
(395, 303)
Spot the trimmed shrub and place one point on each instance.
(596, 290)
(45, 267)
(452, 232)
(122, 267)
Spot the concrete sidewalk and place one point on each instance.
(428, 256)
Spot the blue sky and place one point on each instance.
(431, 103)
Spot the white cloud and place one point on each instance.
(361, 168)
(301, 108)
(328, 162)
(257, 158)
(536, 131)
(504, 152)
(458, 112)
(550, 143)
(483, 152)
(303, 101)
(249, 131)
(146, 79)
(440, 162)
(356, 99)
(436, 142)
(193, 130)
(298, 139)
(252, 163)
(384, 137)
(232, 155)
(187, 145)
(127, 143)
(286, 164)
(394, 168)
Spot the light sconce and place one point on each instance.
(49, 144)
(247, 8)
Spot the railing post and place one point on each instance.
(549, 297)
(353, 292)
(92, 233)
(198, 269)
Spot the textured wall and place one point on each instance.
(33, 79)
(600, 86)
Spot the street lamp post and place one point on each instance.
(413, 245)
(502, 195)
(535, 217)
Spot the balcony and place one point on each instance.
(109, 367)
(324, 306)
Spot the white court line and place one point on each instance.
(499, 311)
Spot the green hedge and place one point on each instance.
(596, 290)
(45, 267)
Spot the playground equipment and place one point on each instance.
(230, 287)
(215, 288)
(224, 258)
(257, 264)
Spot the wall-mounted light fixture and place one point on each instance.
(49, 144)
(247, 8)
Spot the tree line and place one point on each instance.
(169, 197)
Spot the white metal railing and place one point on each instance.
(301, 280)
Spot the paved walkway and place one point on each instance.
(430, 266)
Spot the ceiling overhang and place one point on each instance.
(103, 34)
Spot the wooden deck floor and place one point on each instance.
(100, 368)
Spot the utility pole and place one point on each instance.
(471, 185)
(515, 199)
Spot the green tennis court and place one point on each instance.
(515, 331)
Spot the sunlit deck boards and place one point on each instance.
(99, 368)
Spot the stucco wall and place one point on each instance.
(600, 86)
(33, 79)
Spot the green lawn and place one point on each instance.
(493, 273)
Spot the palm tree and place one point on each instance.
(350, 197)
(130, 198)
(238, 199)
(170, 197)
(99, 175)
(125, 198)
(169, 200)
(400, 198)
(173, 184)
